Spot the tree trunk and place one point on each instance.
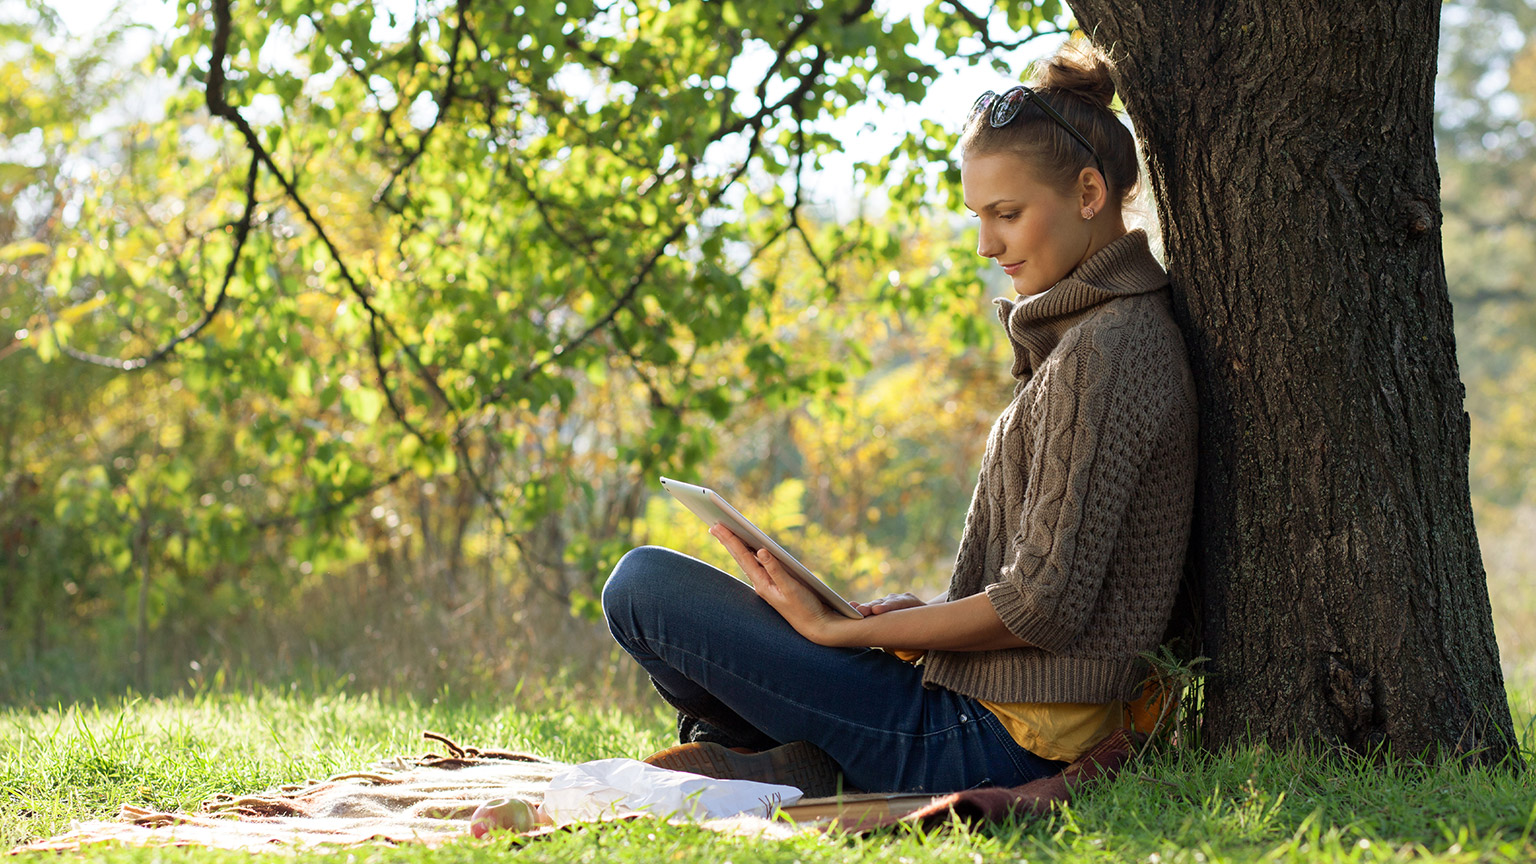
(1291, 153)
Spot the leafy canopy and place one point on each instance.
(517, 257)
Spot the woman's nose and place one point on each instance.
(986, 244)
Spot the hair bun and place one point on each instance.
(1080, 70)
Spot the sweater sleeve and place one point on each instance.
(1092, 426)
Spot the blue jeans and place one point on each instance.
(718, 652)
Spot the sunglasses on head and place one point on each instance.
(1001, 110)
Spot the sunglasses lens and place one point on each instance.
(1006, 107)
(981, 104)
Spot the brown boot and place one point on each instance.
(799, 763)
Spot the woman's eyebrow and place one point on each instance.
(992, 206)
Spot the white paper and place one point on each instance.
(609, 788)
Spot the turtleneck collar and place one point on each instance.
(1035, 324)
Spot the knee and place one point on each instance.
(633, 578)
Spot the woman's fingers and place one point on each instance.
(762, 569)
(770, 563)
(744, 557)
(773, 571)
(890, 603)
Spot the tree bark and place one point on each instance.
(1290, 149)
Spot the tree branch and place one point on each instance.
(984, 33)
(450, 86)
(242, 229)
(330, 506)
(794, 206)
(378, 324)
(220, 107)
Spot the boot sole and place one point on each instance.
(800, 764)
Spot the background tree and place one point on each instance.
(1342, 589)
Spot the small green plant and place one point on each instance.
(1175, 700)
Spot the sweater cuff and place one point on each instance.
(1024, 621)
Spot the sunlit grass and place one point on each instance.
(69, 763)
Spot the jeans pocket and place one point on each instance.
(1025, 765)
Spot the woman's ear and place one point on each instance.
(1094, 194)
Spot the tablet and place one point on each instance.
(709, 506)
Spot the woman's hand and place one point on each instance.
(889, 603)
(802, 608)
(902, 622)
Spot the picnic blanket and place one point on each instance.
(428, 800)
(425, 799)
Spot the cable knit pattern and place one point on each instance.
(1078, 525)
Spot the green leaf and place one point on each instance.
(363, 403)
(23, 249)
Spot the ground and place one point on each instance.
(63, 764)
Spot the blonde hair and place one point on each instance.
(1078, 82)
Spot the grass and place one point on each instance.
(63, 764)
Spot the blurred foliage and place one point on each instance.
(1486, 133)
(1487, 148)
(352, 337)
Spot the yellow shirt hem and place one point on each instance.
(1058, 730)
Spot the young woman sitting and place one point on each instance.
(1073, 544)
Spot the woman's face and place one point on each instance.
(1036, 233)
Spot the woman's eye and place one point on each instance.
(1008, 217)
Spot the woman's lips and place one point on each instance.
(1011, 269)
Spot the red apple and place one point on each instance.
(504, 814)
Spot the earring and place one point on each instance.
(1087, 212)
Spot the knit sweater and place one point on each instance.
(1078, 525)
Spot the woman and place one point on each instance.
(1073, 543)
